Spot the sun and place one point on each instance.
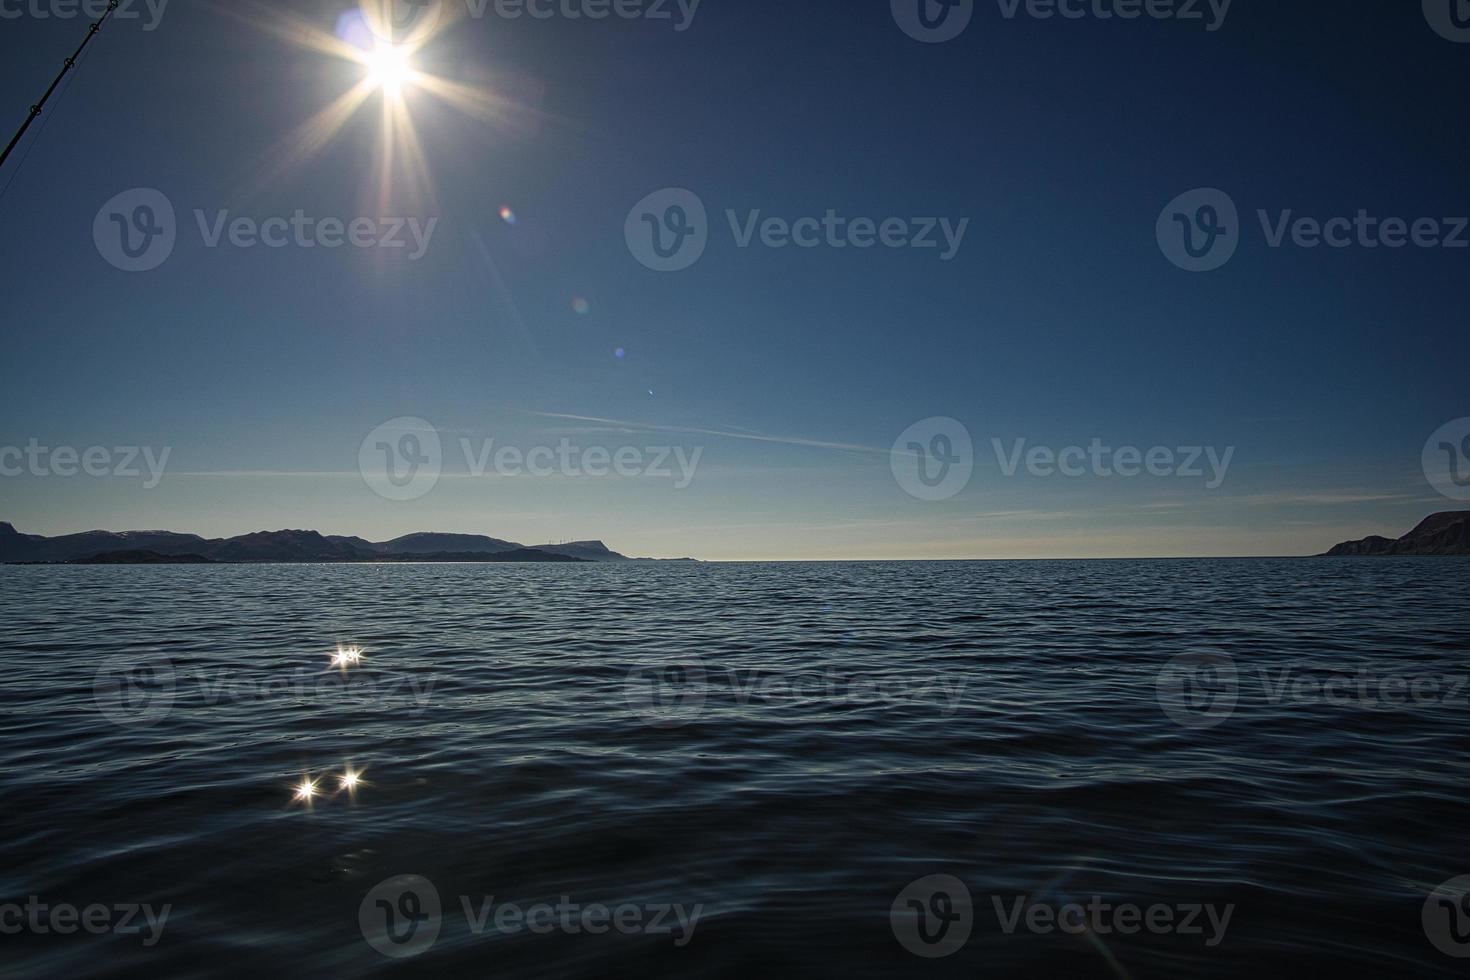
(388, 68)
(398, 71)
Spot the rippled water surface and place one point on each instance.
(783, 747)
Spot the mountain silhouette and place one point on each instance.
(1445, 533)
(113, 547)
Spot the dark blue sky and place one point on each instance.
(1059, 319)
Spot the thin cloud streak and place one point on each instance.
(717, 433)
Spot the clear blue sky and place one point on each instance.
(792, 370)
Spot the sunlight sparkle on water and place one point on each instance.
(306, 790)
(347, 657)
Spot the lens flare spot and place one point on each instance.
(620, 353)
(507, 215)
(580, 306)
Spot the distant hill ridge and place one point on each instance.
(288, 546)
(1444, 533)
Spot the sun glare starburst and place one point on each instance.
(388, 68)
(395, 61)
(306, 789)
